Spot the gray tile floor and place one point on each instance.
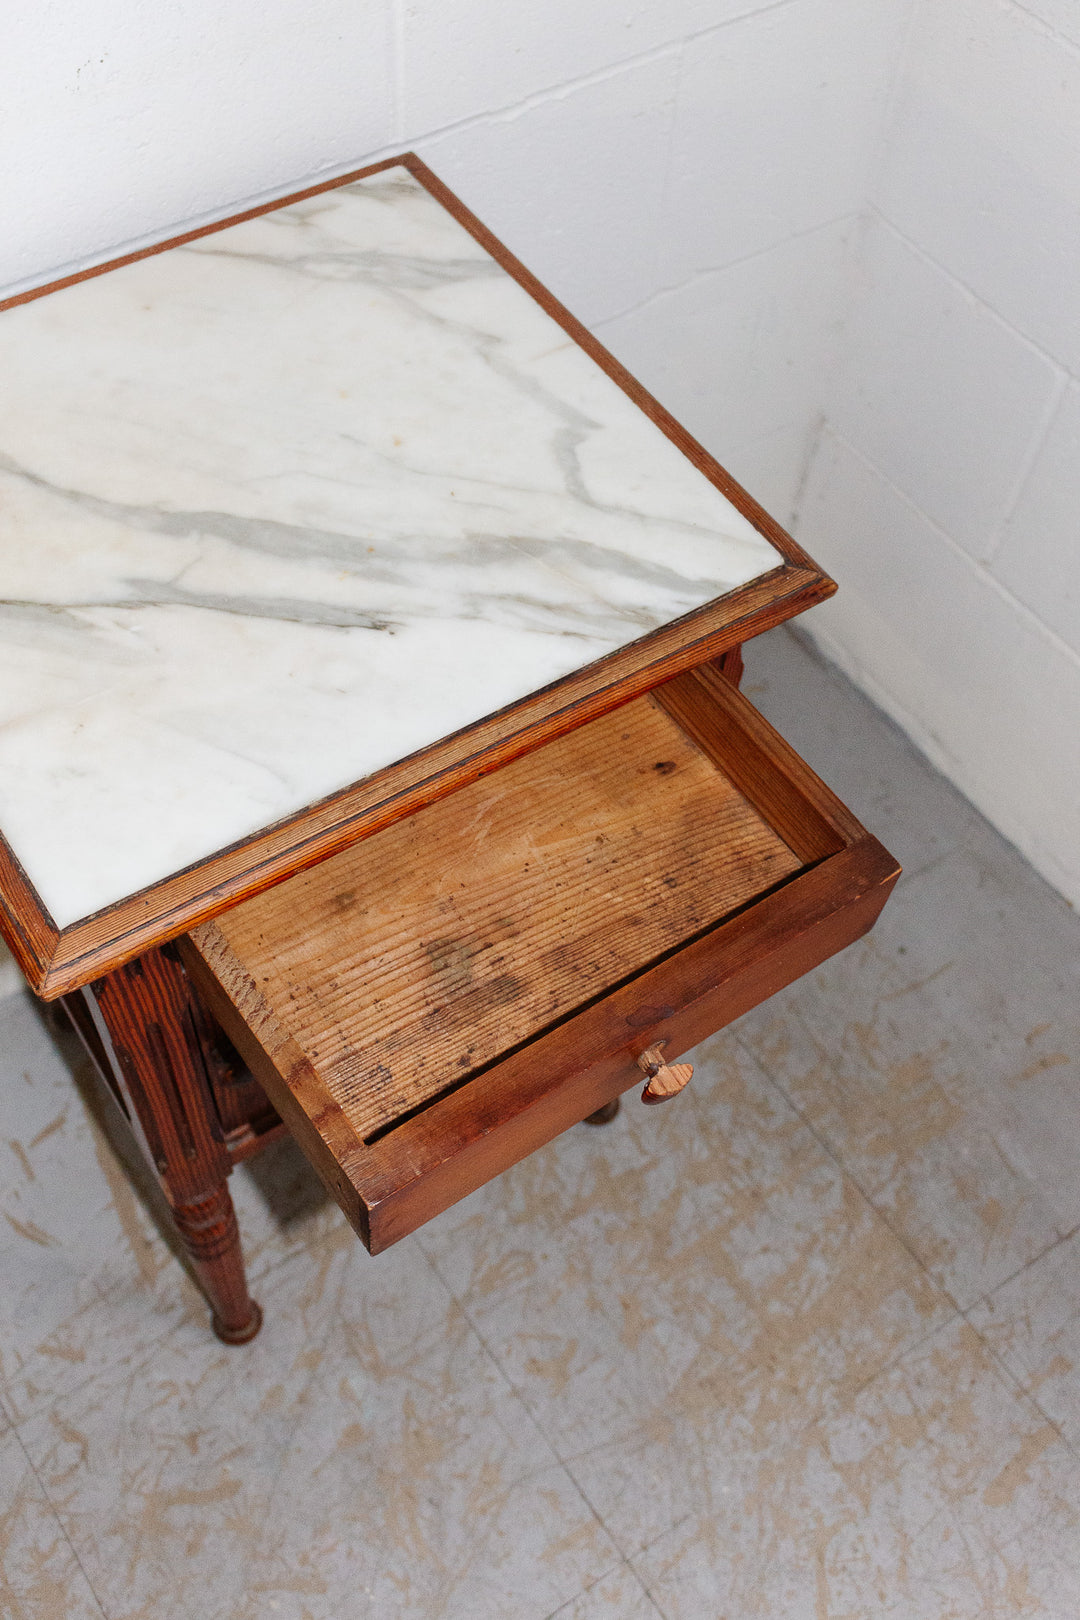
(805, 1343)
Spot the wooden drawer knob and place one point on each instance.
(665, 1079)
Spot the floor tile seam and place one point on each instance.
(1012, 1377)
(272, 1267)
(625, 1439)
(631, 1558)
(565, 1459)
(20, 1421)
(102, 1293)
(885, 998)
(523, 1403)
(832, 1407)
(1046, 27)
(1003, 1371)
(967, 847)
(902, 1354)
(653, 1540)
(846, 689)
(909, 872)
(647, 1589)
(621, 1563)
(60, 1525)
(631, 1564)
(824, 1053)
(849, 1176)
(1035, 1259)
(482, 1340)
(517, 1394)
(149, 1351)
(133, 1372)
(132, 1282)
(296, 1419)
(958, 1312)
(626, 1559)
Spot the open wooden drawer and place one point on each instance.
(429, 1006)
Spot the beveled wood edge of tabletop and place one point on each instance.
(56, 961)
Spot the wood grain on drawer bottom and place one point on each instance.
(414, 959)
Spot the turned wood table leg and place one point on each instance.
(150, 1027)
(604, 1115)
(212, 1239)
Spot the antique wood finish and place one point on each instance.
(420, 956)
(448, 1151)
(397, 1138)
(756, 759)
(147, 1032)
(56, 961)
(247, 1118)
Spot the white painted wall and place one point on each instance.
(684, 173)
(944, 491)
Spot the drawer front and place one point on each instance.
(397, 1135)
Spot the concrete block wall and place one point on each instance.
(944, 490)
(684, 173)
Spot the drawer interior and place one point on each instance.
(418, 989)
(418, 956)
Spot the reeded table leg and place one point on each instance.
(212, 1239)
(150, 1028)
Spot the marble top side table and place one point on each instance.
(308, 518)
(310, 521)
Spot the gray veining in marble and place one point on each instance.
(284, 505)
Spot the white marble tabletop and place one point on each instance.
(285, 504)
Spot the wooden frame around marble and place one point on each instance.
(57, 961)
